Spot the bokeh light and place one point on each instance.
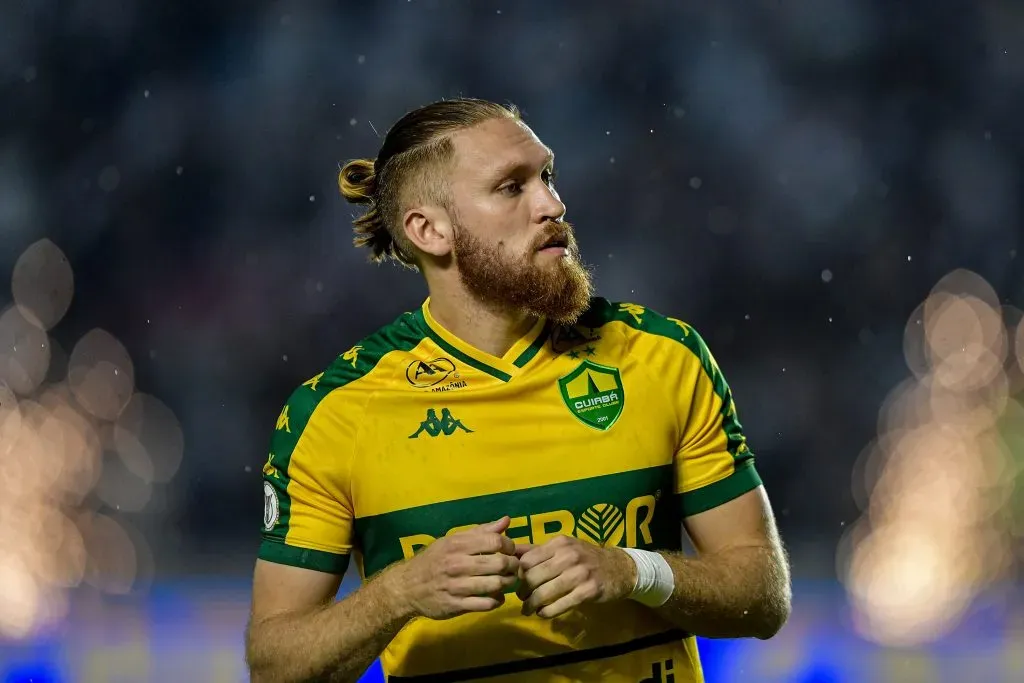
(149, 439)
(791, 178)
(78, 451)
(10, 420)
(101, 375)
(936, 485)
(24, 352)
(112, 563)
(1019, 345)
(43, 284)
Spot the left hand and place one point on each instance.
(566, 572)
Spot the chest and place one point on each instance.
(576, 446)
(567, 419)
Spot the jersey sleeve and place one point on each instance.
(308, 511)
(713, 464)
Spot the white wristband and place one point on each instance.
(654, 579)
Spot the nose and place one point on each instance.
(549, 207)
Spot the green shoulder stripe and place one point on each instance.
(644, 319)
(357, 362)
(602, 312)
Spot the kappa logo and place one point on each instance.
(436, 426)
(425, 374)
(269, 469)
(352, 355)
(593, 393)
(635, 310)
(282, 421)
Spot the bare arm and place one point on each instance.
(298, 633)
(739, 585)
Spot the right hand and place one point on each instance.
(468, 571)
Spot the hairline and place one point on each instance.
(504, 170)
(446, 162)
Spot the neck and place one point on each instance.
(491, 329)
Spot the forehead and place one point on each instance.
(496, 145)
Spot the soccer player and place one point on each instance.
(513, 465)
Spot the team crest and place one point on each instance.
(593, 394)
(271, 509)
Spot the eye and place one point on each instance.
(548, 175)
(511, 188)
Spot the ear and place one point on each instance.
(429, 229)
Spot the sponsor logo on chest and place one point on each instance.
(439, 374)
(602, 524)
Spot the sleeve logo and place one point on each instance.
(313, 381)
(282, 421)
(635, 310)
(268, 467)
(271, 508)
(352, 355)
(685, 327)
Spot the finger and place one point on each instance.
(508, 546)
(497, 563)
(563, 604)
(511, 565)
(481, 603)
(525, 587)
(523, 548)
(523, 590)
(535, 555)
(479, 543)
(482, 585)
(547, 594)
(498, 526)
(537, 576)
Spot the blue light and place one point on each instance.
(714, 654)
(821, 673)
(375, 674)
(35, 672)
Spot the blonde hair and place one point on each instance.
(406, 170)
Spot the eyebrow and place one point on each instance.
(511, 168)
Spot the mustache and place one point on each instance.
(560, 230)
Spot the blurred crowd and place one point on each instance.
(830, 192)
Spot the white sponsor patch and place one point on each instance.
(270, 506)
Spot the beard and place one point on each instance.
(557, 289)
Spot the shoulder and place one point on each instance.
(348, 375)
(649, 332)
(638, 320)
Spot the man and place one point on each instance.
(512, 465)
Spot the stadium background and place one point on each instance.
(828, 191)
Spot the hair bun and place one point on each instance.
(357, 181)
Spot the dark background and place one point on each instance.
(791, 178)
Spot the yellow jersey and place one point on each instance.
(611, 430)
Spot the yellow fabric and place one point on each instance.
(611, 431)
